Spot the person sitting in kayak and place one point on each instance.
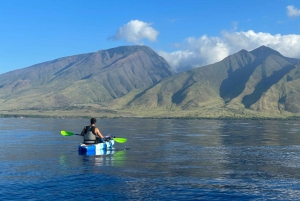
(91, 134)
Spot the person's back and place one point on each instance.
(89, 136)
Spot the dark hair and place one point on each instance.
(93, 120)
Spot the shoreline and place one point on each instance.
(288, 118)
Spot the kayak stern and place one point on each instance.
(83, 148)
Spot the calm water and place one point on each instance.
(162, 160)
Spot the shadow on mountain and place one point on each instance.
(265, 84)
(65, 68)
(235, 84)
(137, 96)
(87, 77)
(180, 95)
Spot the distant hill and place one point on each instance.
(258, 82)
(86, 78)
(135, 81)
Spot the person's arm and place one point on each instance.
(97, 131)
(83, 132)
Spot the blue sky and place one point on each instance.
(187, 33)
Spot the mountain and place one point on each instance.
(86, 78)
(135, 81)
(258, 82)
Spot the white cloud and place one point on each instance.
(292, 11)
(197, 52)
(180, 60)
(135, 31)
(207, 50)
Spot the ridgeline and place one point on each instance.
(134, 81)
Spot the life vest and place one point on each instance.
(89, 136)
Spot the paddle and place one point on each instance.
(68, 133)
(120, 140)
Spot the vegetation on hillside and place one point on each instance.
(136, 82)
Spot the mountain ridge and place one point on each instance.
(134, 81)
(85, 78)
(237, 83)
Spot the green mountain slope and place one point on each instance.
(244, 83)
(135, 81)
(278, 93)
(86, 78)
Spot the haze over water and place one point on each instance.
(162, 160)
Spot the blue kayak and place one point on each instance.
(101, 152)
(107, 145)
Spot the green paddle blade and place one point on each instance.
(66, 133)
(120, 140)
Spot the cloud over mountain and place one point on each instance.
(205, 50)
(292, 11)
(135, 31)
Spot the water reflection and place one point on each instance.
(115, 158)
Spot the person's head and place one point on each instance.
(93, 120)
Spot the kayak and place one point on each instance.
(100, 152)
(107, 145)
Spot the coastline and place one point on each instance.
(125, 114)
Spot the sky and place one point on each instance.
(187, 33)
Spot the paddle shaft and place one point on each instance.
(111, 138)
(68, 133)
